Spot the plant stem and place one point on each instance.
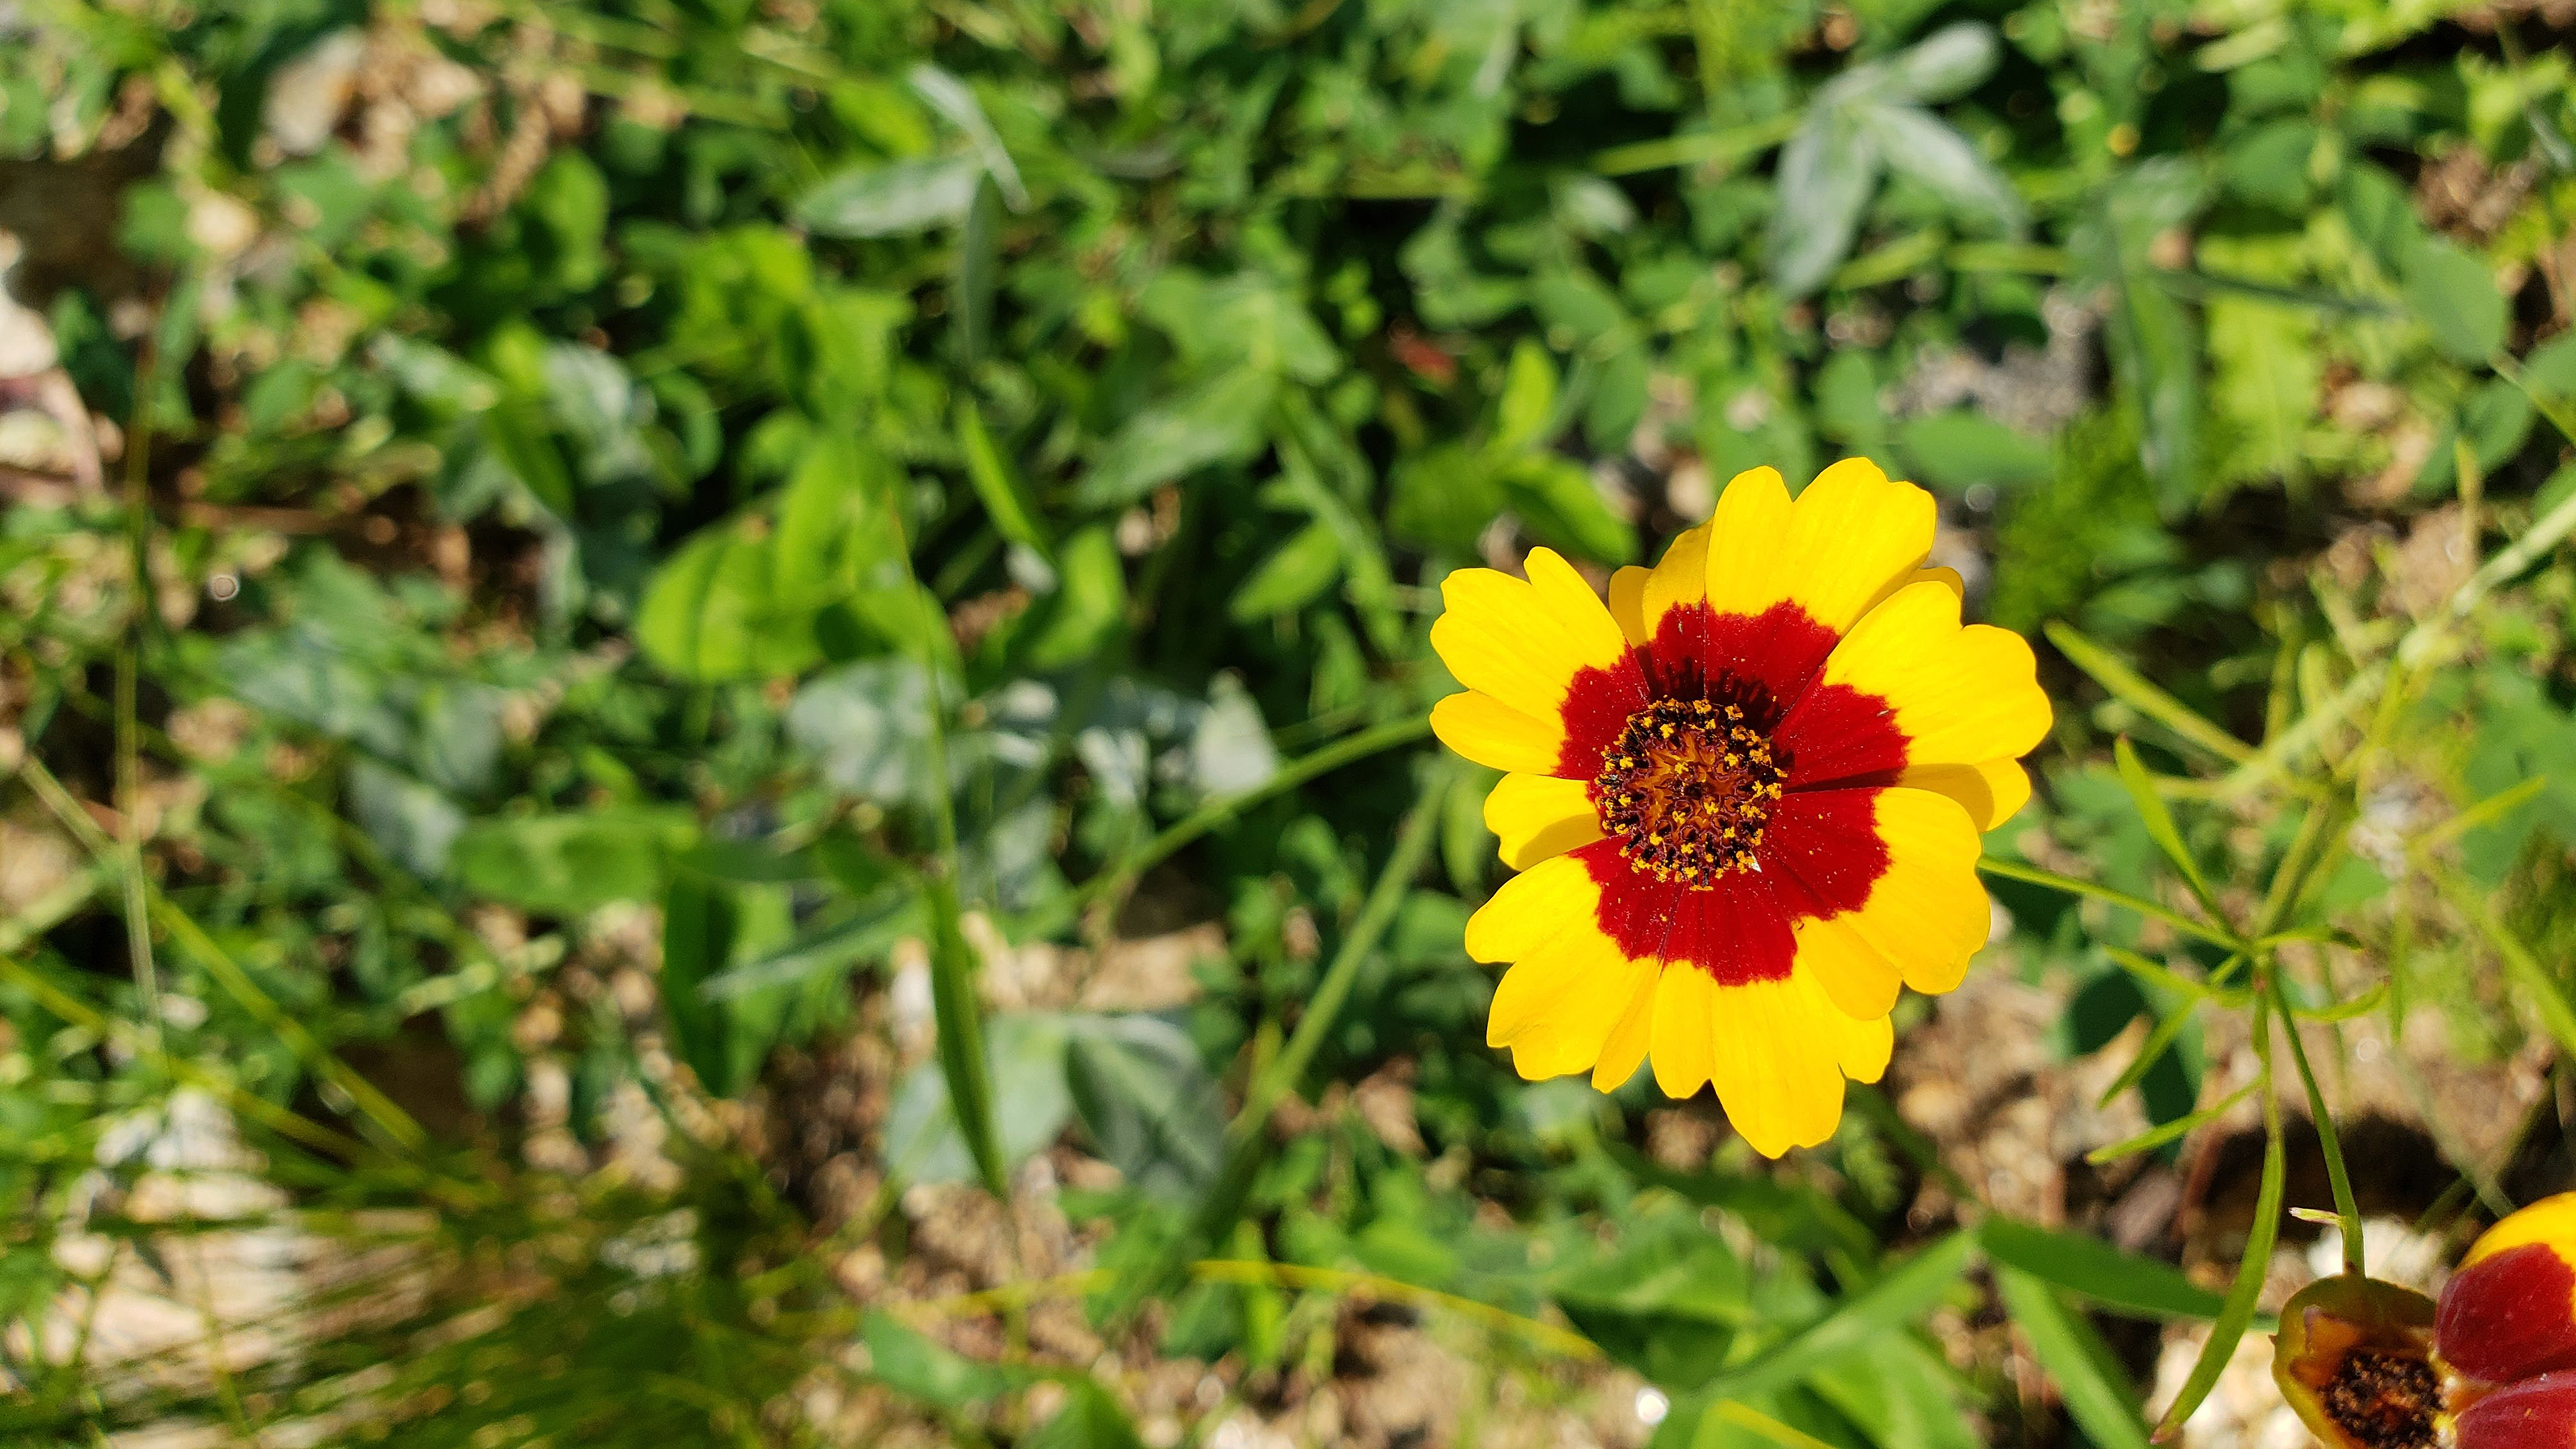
(1247, 1136)
(2328, 1140)
(2033, 875)
(956, 1013)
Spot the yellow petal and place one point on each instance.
(1508, 638)
(1625, 1050)
(1533, 908)
(2551, 1220)
(1928, 913)
(1628, 602)
(1537, 816)
(1855, 975)
(1776, 1062)
(1577, 610)
(1947, 578)
(1992, 791)
(1684, 1031)
(1556, 1007)
(1856, 537)
(1959, 696)
(1679, 581)
(1861, 1046)
(1748, 566)
(1489, 732)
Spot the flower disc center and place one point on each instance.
(1688, 787)
(2384, 1400)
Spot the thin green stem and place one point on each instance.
(954, 1008)
(1247, 1136)
(2418, 645)
(2033, 875)
(2237, 1313)
(228, 974)
(129, 650)
(2329, 1142)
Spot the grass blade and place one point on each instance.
(1247, 1136)
(2238, 1312)
(2112, 895)
(2136, 691)
(1890, 1303)
(2329, 1142)
(957, 1015)
(2155, 1137)
(2121, 1281)
(1754, 1421)
(2075, 1356)
(1005, 495)
(2158, 818)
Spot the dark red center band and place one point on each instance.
(1675, 885)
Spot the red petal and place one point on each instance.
(1827, 843)
(1597, 705)
(1838, 735)
(2510, 1315)
(1777, 651)
(1736, 931)
(2538, 1414)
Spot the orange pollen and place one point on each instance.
(1688, 787)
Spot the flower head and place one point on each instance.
(2352, 1358)
(1745, 796)
(2369, 1365)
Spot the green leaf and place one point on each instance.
(1960, 448)
(1295, 575)
(949, 96)
(2118, 1280)
(2237, 1313)
(1559, 506)
(698, 929)
(1918, 145)
(960, 1020)
(1827, 172)
(2096, 1398)
(2453, 291)
(909, 1363)
(571, 863)
(979, 265)
(1901, 1394)
(1904, 1294)
(1529, 398)
(1006, 496)
(2157, 817)
(1442, 498)
(1147, 1101)
(713, 610)
(1088, 607)
(1024, 1056)
(1090, 1419)
(892, 198)
(1947, 64)
(1222, 420)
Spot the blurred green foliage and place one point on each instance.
(657, 515)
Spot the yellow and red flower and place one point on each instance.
(1745, 796)
(2370, 1365)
